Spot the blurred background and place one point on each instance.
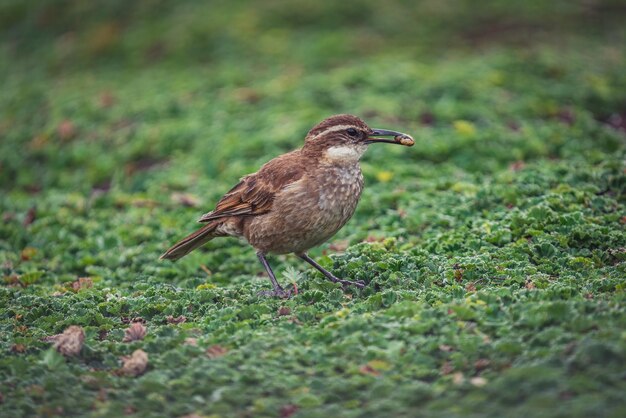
(99, 92)
(69, 34)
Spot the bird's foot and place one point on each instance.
(345, 283)
(329, 275)
(276, 293)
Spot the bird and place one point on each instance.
(297, 200)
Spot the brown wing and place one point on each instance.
(254, 194)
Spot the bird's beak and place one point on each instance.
(398, 137)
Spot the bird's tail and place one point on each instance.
(190, 242)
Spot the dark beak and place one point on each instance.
(398, 137)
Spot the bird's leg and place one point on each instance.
(328, 274)
(278, 290)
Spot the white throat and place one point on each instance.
(345, 153)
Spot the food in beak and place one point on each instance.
(404, 139)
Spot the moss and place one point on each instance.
(493, 249)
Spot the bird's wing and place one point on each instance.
(254, 194)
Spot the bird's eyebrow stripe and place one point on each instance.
(336, 128)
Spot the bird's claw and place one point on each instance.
(357, 283)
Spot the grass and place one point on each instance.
(493, 250)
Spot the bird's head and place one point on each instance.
(344, 138)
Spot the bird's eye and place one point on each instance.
(352, 132)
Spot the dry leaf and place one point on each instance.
(481, 364)
(447, 368)
(18, 348)
(216, 351)
(106, 99)
(185, 199)
(135, 364)
(35, 390)
(295, 320)
(367, 369)
(175, 320)
(478, 381)
(446, 348)
(82, 283)
(30, 217)
(128, 320)
(458, 274)
(458, 378)
(284, 310)
(12, 280)
(247, 95)
(66, 130)
(28, 253)
(288, 410)
(191, 341)
(70, 342)
(136, 332)
(339, 245)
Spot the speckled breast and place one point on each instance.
(308, 213)
(339, 193)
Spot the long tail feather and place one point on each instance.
(190, 242)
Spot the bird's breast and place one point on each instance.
(309, 211)
(340, 188)
(338, 191)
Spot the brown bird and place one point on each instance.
(297, 200)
